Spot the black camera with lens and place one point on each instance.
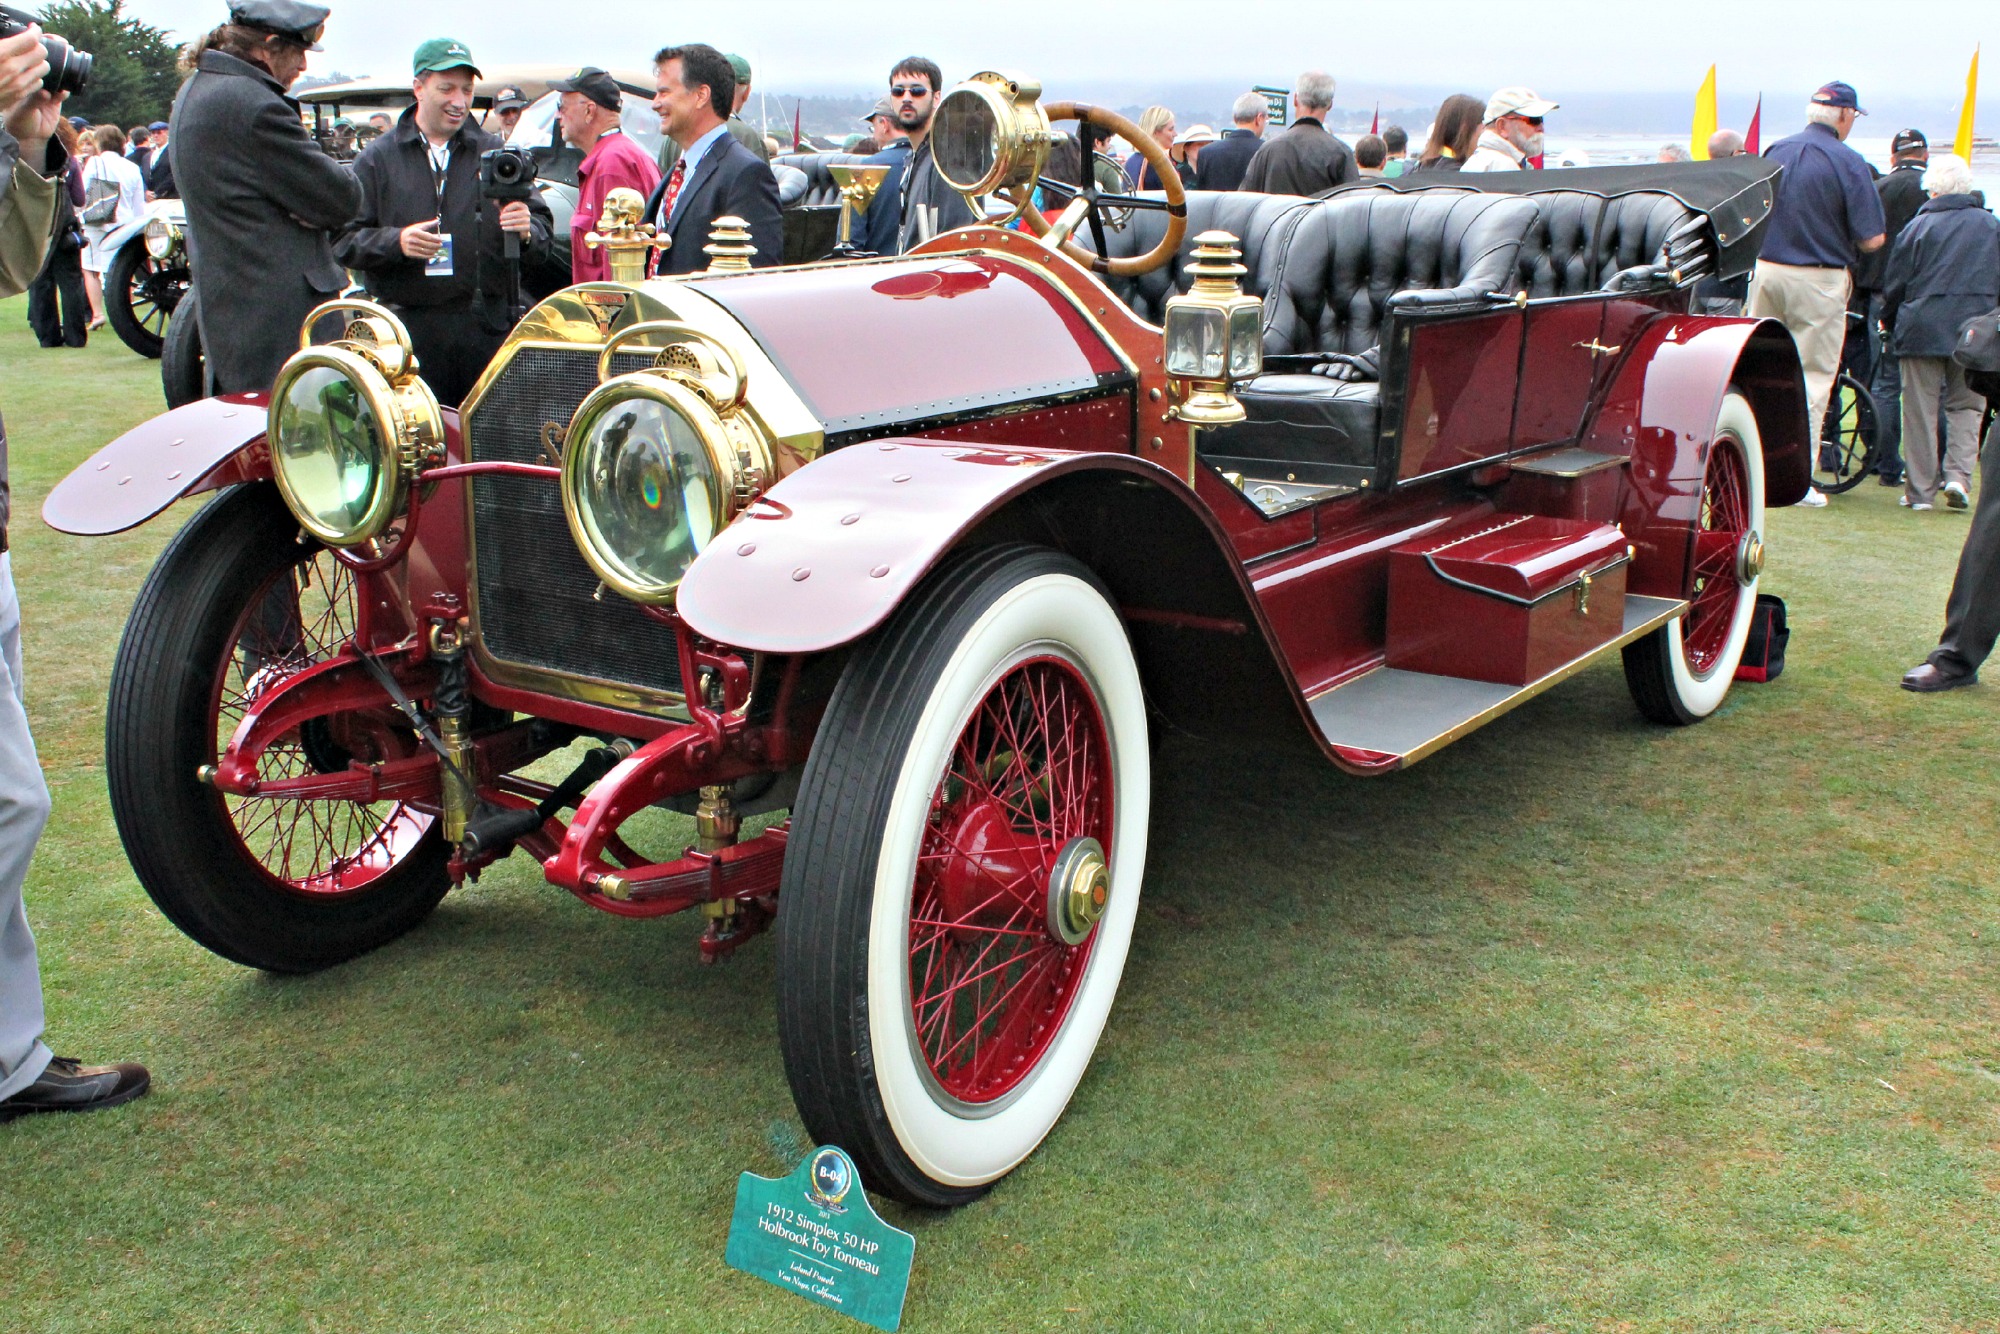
(69, 68)
(507, 174)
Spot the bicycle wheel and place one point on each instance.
(1846, 438)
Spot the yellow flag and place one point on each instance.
(1963, 144)
(1704, 117)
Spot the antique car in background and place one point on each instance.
(148, 276)
(699, 543)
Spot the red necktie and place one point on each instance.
(674, 184)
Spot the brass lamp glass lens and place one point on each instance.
(1197, 342)
(330, 451)
(159, 238)
(1246, 341)
(646, 496)
(965, 140)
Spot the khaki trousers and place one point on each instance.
(1925, 381)
(1812, 303)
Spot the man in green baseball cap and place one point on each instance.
(427, 241)
(440, 54)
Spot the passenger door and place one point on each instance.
(1448, 390)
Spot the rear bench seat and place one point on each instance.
(1328, 270)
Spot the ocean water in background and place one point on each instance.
(1614, 149)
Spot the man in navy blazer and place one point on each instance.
(715, 176)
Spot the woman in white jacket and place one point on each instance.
(114, 192)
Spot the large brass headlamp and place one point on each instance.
(1214, 333)
(350, 425)
(990, 133)
(163, 237)
(657, 461)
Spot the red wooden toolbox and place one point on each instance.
(1508, 601)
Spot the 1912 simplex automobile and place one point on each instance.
(704, 539)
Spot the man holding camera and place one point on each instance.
(431, 239)
(32, 1079)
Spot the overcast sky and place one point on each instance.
(1912, 49)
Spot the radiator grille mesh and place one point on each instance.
(535, 591)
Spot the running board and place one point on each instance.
(1389, 719)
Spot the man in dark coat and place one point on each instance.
(425, 241)
(926, 204)
(1222, 164)
(1902, 193)
(1944, 271)
(1305, 159)
(1972, 613)
(261, 197)
(715, 176)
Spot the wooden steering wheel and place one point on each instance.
(1096, 124)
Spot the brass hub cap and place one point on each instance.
(1079, 889)
(1750, 558)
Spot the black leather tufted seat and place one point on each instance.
(1261, 224)
(1581, 242)
(1345, 262)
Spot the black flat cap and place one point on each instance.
(293, 18)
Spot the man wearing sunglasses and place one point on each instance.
(925, 203)
(1513, 132)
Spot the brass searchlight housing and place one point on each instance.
(351, 425)
(991, 133)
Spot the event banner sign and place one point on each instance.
(814, 1233)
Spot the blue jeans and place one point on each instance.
(24, 809)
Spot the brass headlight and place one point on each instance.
(163, 238)
(350, 424)
(990, 133)
(658, 461)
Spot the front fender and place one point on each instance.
(199, 446)
(826, 555)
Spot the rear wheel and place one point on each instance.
(1680, 673)
(183, 370)
(963, 874)
(235, 605)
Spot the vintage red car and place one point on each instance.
(702, 538)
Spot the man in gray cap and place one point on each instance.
(508, 104)
(261, 197)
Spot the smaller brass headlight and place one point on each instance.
(990, 133)
(350, 424)
(162, 238)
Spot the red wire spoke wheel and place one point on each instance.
(991, 972)
(302, 616)
(236, 604)
(1680, 673)
(963, 874)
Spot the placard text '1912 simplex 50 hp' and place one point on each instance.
(701, 538)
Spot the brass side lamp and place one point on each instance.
(625, 239)
(858, 184)
(729, 247)
(1214, 333)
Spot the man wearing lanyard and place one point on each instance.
(588, 114)
(426, 243)
(715, 175)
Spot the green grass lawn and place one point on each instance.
(1580, 1025)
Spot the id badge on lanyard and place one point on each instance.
(439, 265)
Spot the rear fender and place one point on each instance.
(1661, 409)
(828, 554)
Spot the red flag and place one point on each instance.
(798, 139)
(1750, 135)
(1375, 126)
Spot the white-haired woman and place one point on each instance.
(1945, 270)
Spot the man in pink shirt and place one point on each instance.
(588, 114)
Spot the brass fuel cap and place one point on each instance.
(1079, 889)
(1750, 558)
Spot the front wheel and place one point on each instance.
(140, 294)
(963, 875)
(1679, 673)
(236, 604)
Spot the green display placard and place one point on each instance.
(814, 1233)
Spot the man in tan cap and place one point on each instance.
(1513, 132)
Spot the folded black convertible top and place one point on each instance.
(1734, 192)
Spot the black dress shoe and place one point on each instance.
(68, 1086)
(1926, 679)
